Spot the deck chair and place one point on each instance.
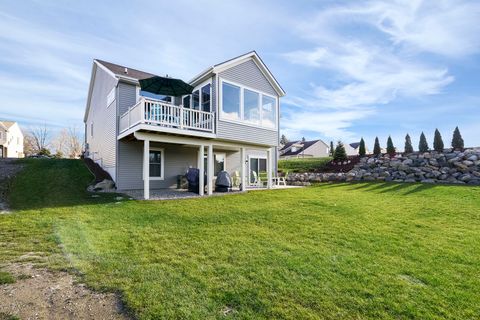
(236, 179)
(257, 182)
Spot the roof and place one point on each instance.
(119, 70)
(7, 124)
(355, 145)
(306, 145)
(237, 60)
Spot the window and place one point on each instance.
(196, 99)
(156, 164)
(206, 98)
(269, 112)
(250, 106)
(161, 97)
(186, 101)
(111, 97)
(230, 101)
(257, 165)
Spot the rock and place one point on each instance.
(104, 185)
(468, 163)
(473, 158)
(427, 181)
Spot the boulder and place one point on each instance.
(104, 185)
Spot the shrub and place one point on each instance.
(340, 153)
(332, 149)
(408, 144)
(457, 140)
(44, 152)
(303, 165)
(438, 142)
(390, 148)
(376, 147)
(361, 149)
(423, 144)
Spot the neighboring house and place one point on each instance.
(145, 141)
(352, 149)
(305, 149)
(11, 140)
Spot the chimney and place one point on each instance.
(126, 71)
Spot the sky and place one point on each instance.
(351, 69)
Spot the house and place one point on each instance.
(305, 149)
(352, 149)
(11, 140)
(230, 122)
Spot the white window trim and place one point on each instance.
(241, 120)
(199, 88)
(162, 164)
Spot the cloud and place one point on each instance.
(371, 55)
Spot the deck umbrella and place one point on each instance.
(165, 86)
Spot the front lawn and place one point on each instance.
(335, 251)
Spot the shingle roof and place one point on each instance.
(120, 70)
(354, 145)
(7, 124)
(306, 145)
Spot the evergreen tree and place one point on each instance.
(437, 141)
(332, 149)
(376, 147)
(361, 148)
(340, 153)
(303, 139)
(408, 144)
(283, 140)
(390, 147)
(423, 144)
(457, 141)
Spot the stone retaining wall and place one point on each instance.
(452, 167)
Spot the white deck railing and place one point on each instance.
(158, 113)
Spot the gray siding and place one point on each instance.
(127, 97)
(248, 74)
(130, 173)
(102, 145)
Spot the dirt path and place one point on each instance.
(42, 294)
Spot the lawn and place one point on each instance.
(335, 251)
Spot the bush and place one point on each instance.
(361, 149)
(376, 147)
(408, 144)
(438, 142)
(457, 140)
(332, 149)
(390, 148)
(423, 144)
(303, 165)
(340, 153)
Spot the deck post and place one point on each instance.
(243, 181)
(146, 169)
(269, 168)
(210, 169)
(201, 168)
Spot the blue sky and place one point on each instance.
(350, 68)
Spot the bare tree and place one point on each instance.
(40, 136)
(73, 143)
(29, 147)
(61, 143)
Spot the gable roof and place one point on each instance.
(305, 146)
(119, 70)
(235, 61)
(355, 145)
(7, 124)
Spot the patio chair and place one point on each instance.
(257, 182)
(279, 180)
(236, 179)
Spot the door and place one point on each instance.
(259, 166)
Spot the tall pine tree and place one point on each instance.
(408, 144)
(376, 147)
(332, 149)
(437, 141)
(283, 140)
(361, 148)
(390, 147)
(423, 144)
(340, 153)
(457, 140)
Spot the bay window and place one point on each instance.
(247, 106)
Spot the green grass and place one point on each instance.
(337, 251)
(303, 165)
(6, 278)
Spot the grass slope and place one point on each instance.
(342, 251)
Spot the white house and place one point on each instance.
(305, 149)
(353, 148)
(11, 140)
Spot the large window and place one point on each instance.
(196, 99)
(200, 99)
(250, 106)
(269, 112)
(230, 101)
(247, 106)
(206, 98)
(186, 101)
(156, 164)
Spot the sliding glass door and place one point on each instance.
(257, 165)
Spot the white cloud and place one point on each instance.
(369, 55)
